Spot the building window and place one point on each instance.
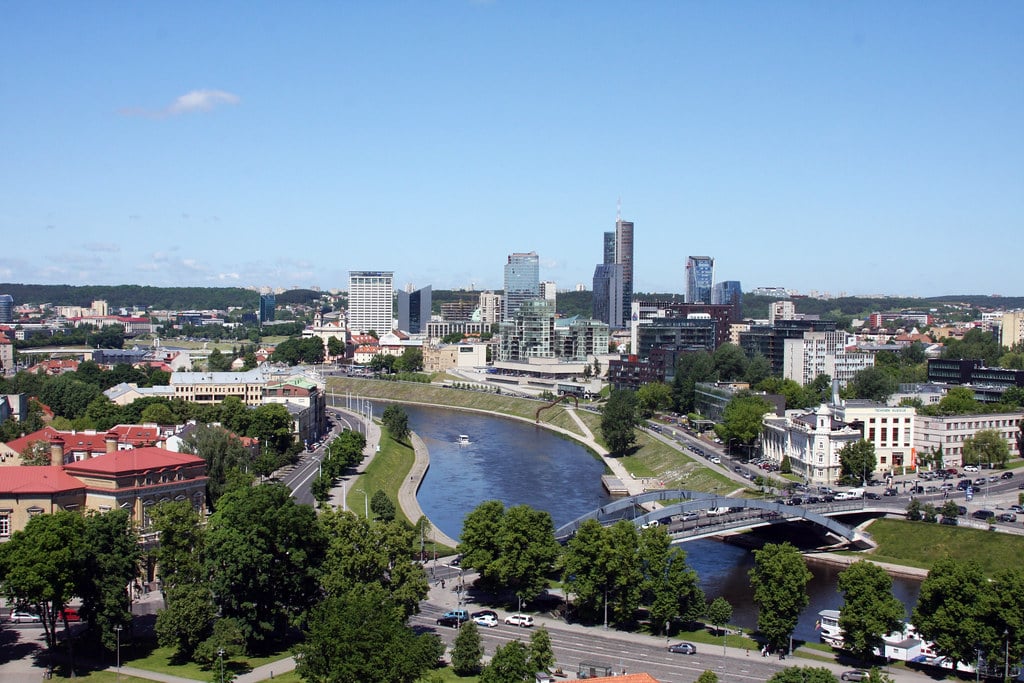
(34, 511)
(5, 524)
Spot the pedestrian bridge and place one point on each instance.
(744, 513)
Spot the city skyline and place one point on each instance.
(283, 146)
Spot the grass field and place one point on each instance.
(920, 544)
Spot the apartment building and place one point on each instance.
(950, 432)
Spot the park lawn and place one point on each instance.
(920, 544)
(160, 660)
(446, 675)
(386, 473)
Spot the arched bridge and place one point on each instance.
(686, 515)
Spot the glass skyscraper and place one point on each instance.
(700, 278)
(607, 305)
(522, 282)
(728, 292)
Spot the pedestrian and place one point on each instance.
(748, 651)
(442, 583)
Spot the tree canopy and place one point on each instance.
(779, 577)
(619, 419)
(870, 610)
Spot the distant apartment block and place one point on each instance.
(824, 353)
(915, 317)
(1011, 330)
(371, 301)
(769, 340)
(773, 292)
(490, 308)
(781, 310)
(530, 333)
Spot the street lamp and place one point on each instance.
(117, 630)
(220, 655)
(977, 668)
(366, 504)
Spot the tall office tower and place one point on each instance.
(6, 308)
(608, 294)
(609, 247)
(624, 257)
(371, 299)
(414, 309)
(729, 292)
(700, 277)
(522, 282)
(268, 302)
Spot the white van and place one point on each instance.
(716, 512)
(852, 494)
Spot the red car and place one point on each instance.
(69, 614)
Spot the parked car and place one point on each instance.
(649, 525)
(983, 515)
(486, 620)
(524, 620)
(970, 468)
(1017, 508)
(961, 510)
(871, 495)
(890, 492)
(854, 675)
(19, 616)
(683, 648)
(949, 521)
(1008, 517)
(484, 613)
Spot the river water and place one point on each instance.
(519, 463)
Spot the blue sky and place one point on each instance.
(858, 147)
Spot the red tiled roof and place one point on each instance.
(44, 479)
(136, 434)
(132, 460)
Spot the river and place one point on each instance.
(519, 463)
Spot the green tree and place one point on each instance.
(976, 343)
(110, 563)
(779, 577)
(218, 362)
(707, 676)
(950, 510)
(624, 571)
(396, 421)
(730, 362)
(36, 454)
(719, 612)
(671, 589)
(41, 564)
(619, 420)
(951, 609)
(381, 506)
(411, 360)
(362, 636)
(262, 552)
(68, 396)
(467, 650)
(743, 418)
(869, 609)
(914, 510)
(360, 553)
(857, 460)
(542, 657)
(986, 447)
(584, 568)
(804, 674)
(690, 369)
(158, 414)
(874, 383)
(272, 425)
(335, 346)
(653, 397)
(510, 664)
(1005, 612)
(223, 453)
(1013, 396)
(478, 543)
(187, 619)
(758, 369)
(527, 550)
(321, 487)
(959, 401)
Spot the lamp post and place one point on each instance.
(977, 668)
(220, 656)
(117, 630)
(366, 504)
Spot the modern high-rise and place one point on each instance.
(607, 301)
(371, 299)
(700, 278)
(414, 309)
(609, 247)
(490, 308)
(6, 308)
(522, 281)
(268, 303)
(624, 257)
(729, 292)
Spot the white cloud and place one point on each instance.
(196, 100)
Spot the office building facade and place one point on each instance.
(6, 308)
(371, 301)
(531, 333)
(522, 282)
(729, 293)
(414, 310)
(607, 301)
(700, 278)
(624, 257)
(268, 304)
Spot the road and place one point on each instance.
(299, 477)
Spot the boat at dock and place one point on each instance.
(464, 440)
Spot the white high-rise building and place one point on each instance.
(823, 353)
(371, 301)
